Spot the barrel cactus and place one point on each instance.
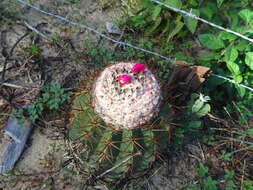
(126, 95)
(114, 117)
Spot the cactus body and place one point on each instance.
(117, 136)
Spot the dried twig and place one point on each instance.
(17, 86)
(243, 170)
(36, 31)
(10, 54)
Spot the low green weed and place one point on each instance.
(224, 53)
(206, 182)
(51, 98)
(227, 182)
(191, 123)
(32, 50)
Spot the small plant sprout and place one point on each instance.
(52, 98)
(199, 105)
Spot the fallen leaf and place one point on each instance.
(185, 79)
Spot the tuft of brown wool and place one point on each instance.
(126, 106)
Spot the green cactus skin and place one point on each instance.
(105, 147)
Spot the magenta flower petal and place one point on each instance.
(138, 67)
(124, 79)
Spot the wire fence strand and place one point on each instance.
(95, 31)
(202, 20)
(171, 60)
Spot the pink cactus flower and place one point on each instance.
(138, 67)
(124, 79)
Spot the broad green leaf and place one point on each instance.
(208, 56)
(209, 184)
(241, 91)
(234, 21)
(181, 56)
(193, 2)
(204, 110)
(202, 170)
(179, 26)
(248, 185)
(190, 22)
(231, 54)
(250, 132)
(230, 185)
(154, 28)
(228, 156)
(249, 60)
(251, 23)
(174, 3)
(233, 68)
(229, 174)
(156, 12)
(138, 20)
(211, 41)
(227, 36)
(194, 124)
(197, 106)
(238, 78)
(219, 3)
(246, 15)
(208, 12)
(243, 45)
(245, 30)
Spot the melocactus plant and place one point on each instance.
(126, 95)
(113, 119)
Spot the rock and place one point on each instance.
(112, 28)
(12, 153)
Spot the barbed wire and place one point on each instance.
(95, 31)
(232, 81)
(171, 60)
(202, 20)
